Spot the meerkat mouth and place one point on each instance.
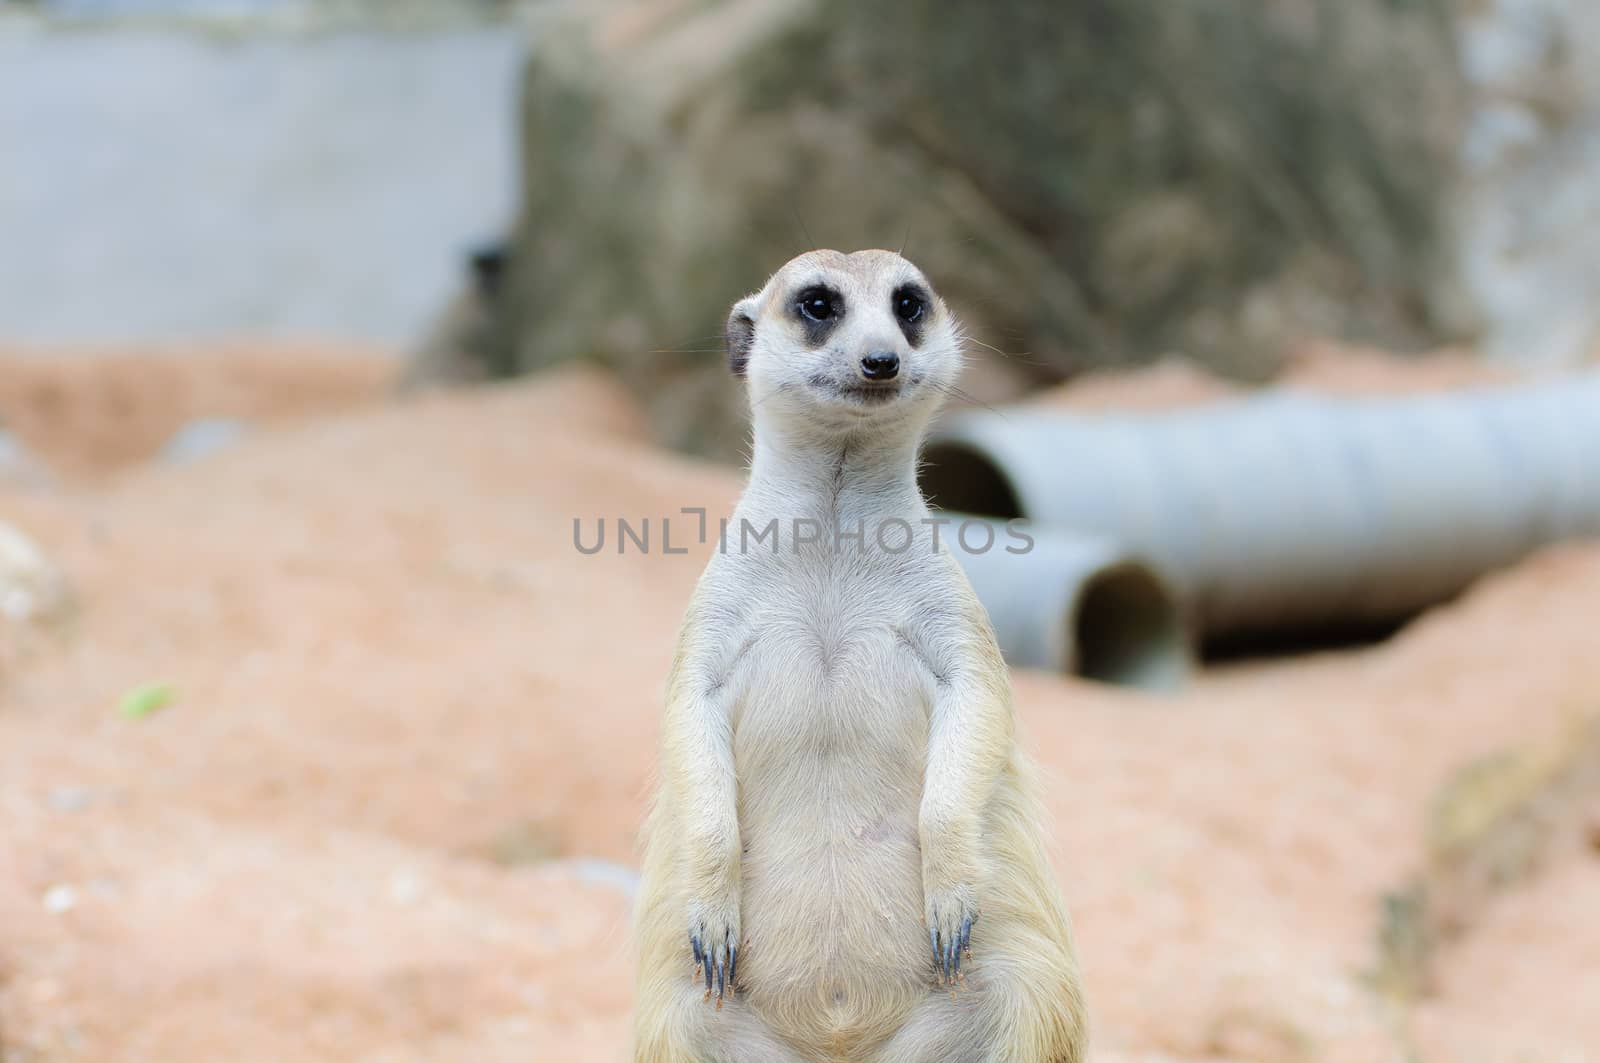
(857, 395)
(870, 394)
(858, 392)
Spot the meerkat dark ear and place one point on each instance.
(741, 334)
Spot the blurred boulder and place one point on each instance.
(1095, 182)
(18, 466)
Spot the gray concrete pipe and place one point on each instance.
(1291, 513)
(1075, 605)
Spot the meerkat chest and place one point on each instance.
(830, 735)
(842, 618)
(829, 667)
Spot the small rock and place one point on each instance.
(18, 467)
(59, 899)
(405, 888)
(32, 588)
(69, 798)
(203, 437)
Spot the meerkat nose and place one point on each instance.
(880, 365)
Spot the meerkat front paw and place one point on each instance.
(949, 871)
(714, 942)
(951, 913)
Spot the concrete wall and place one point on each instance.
(178, 181)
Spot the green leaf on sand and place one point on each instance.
(145, 699)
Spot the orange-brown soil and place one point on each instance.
(412, 730)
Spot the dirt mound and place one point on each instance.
(1324, 367)
(388, 810)
(87, 413)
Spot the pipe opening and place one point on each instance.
(955, 476)
(1127, 629)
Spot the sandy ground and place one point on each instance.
(89, 413)
(391, 810)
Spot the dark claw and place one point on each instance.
(707, 960)
(966, 938)
(722, 981)
(933, 943)
(949, 949)
(733, 959)
(694, 940)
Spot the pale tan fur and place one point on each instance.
(839, 772)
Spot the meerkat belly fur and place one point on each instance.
(844, 860)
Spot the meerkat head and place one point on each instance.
(841, 342)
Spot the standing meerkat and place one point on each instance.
(840, 786)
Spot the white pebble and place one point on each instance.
(58, 899)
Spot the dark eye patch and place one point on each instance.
(911, 305)
(819, 309)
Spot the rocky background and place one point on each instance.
(1095, 183)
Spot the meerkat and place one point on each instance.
(460, 346)
(844, 859)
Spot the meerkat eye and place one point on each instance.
(818, 304)
(909, 306)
